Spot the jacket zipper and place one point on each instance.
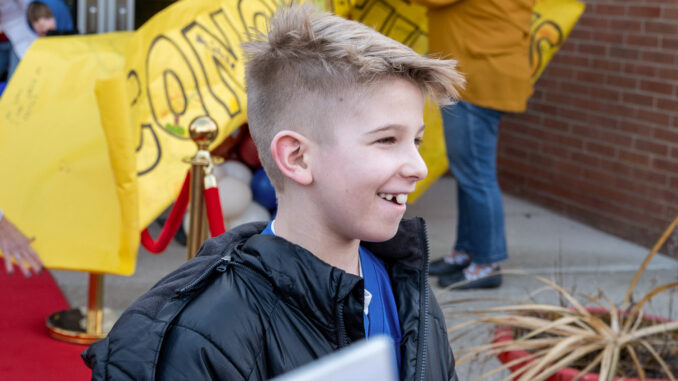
(424, 308)
(224, 261)
(341, 328)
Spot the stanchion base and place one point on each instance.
(70, 325)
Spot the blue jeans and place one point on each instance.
(471, 140)
(8, 59)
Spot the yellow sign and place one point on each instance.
(552, 21)
(58, 181)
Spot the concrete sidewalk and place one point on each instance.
(539, 242)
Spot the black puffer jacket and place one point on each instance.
(251, 306)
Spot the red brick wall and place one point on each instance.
(599, 141)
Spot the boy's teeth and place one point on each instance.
(386, 196)
(400, 198)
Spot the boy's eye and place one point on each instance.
(418, 141)
(388, 140)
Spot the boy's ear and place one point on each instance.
(290, 152)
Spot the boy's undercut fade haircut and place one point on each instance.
(311, 58)
(37, 10)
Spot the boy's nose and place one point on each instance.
(415, 167)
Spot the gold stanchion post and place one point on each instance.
(66, 325)
(95, 311)
(203, 130)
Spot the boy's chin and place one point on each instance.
(382, 235)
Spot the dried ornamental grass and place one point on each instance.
(560, 336)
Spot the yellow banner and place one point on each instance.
(552, 22)
(58, 183)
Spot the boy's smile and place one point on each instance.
(364, 171)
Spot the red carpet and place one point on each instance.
(26, 351)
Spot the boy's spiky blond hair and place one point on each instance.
(311, 61)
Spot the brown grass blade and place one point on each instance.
(538, 291)
(509, 364)
(648, 297)
(651, 330)
(614, 316)
(639, 320)
(608, 352)
(498, 369)
(659, 360)
(616, 352)
(594, 363)
(564, 346)
(554, 325)
(461, 325)
(593, 299)
(533, 323)
(567, 360)
(518, 308)
(636, 362)
(527, 366)
(496, 348)
(649, 256)
(600, 326)
(529, 345)
(574, 302)
(474, 300)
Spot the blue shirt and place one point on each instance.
(381, 314)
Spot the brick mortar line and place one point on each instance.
(655, 185)
(612, 103)
(663, 203)
(601, 213)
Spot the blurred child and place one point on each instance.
(19, 35)
(49, 18)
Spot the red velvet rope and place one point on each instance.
(171, 225)
(213, 206)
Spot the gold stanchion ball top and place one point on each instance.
(203, 130)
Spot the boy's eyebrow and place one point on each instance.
(393, 126)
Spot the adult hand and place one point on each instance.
(14, 244)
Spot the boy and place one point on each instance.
(49, 18)
(336, 111)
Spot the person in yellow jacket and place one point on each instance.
(490, 39)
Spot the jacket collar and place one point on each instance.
(305, 281)
(299, 277)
